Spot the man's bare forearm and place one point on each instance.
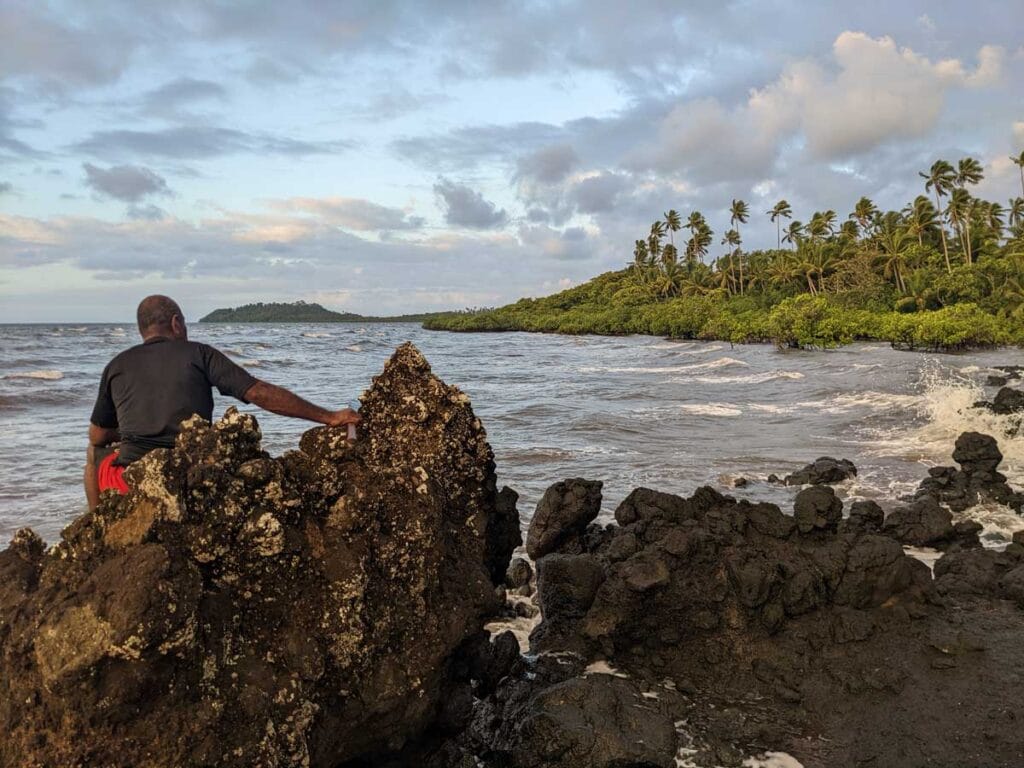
(101, 436)
(281, 401)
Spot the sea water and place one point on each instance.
(631, 411)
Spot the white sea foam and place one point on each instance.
(43, 375)
(873, 401)
(354, 348)
(251, 363)
(998, 523)
(752, 378)
(722, 362)
(772, 760)
(711, 409)
(312, 335)
(603, 668)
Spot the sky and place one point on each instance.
(387, 157)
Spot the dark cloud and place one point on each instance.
(197, 142)
(466, 207)
(548, 165)
(130, 183)
(6, 187)
(598, 193)
(465, 147)
(146, 213)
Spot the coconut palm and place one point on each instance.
(921, 217)
(941, 178)
(781, 210)
(794, 233)
(1019, 162)
(959, 214)
(864, 213)
(739, 212)
(1015, 213)
(968, 171)
(672, 223)
(895, 243)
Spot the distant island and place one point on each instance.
(302, 312)
(944, 272)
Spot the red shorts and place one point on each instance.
(110, 477)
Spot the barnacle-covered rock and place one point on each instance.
(237, 609)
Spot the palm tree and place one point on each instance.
(819, 226)
(794, 233)
(895, 243)
(968, 171)
(864, 213)
(673, 223)
(1015, 214)
(781, 210)
(921, 217)
(1019, 162)
(732, 237)
(739, 212)
(941, 178)
(959, 213)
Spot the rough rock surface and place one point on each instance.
(749, 632)
(978, 479)
(240, 610)
(823, 471)
(562, 515)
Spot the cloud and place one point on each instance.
(548, 165)
(464, 147)
(170, 97)
(351, 213)
(130, 183)
(196, 142)
(465, 207)
(6, 187)
(569, 244)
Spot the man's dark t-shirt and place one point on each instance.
(148, 390)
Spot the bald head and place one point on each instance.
(160, 316)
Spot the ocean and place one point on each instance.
(631, 411)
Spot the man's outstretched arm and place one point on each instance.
(275, 399)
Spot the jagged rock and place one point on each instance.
(865, 517)
(823, 471)
(817, 509)
(922, 523)
(240, 610)
(996, 381)
(978, 479)
(520, 573)
(503, 534)
(563, 513)
(1008, 400)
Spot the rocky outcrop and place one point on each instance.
(237, 609)
(823, 471)
(562, 515)
(748, 629)
(978, 479)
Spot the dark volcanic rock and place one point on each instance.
(817, 509)
(519, 574)
(996, 381)
(240, 610)
(823, 471)
(865, 517)
(978, 479)
(749, 636)
(921, 523)
(563, 513)
(1008, 400)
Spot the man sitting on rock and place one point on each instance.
(148, 390)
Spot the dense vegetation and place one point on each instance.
(946, 271)
(299, 312)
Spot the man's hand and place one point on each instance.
(343, 417)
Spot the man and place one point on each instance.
(148, 390)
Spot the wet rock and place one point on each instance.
(503, 533)
(240, 610)
(996, 381)
(978, 479)
(823, 471)
(562, 513)
(1008, 400)
(817, 509)
(865, 517)
(520, 573)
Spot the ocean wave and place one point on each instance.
(722, 362)
(251, 363)
(42, 375)
(354, 348)
(850, 401)
(753, 378)
(711, 409)
(314, 335)
(998, 523)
